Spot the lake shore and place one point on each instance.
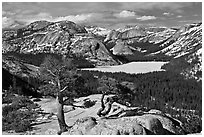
(131, 68)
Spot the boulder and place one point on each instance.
(134, 125)
(155, 111)
(170, 126)
(91, 126)
(154, 125)
(51, 132)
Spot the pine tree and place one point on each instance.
(62, 81)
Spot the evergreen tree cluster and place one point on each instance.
(18, 113)
(156, 89)
(37, 59)
(165, 91)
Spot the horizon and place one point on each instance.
(110, 14)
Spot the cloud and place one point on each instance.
(85, 7)
(33, 17)
(42, 15)
(179, 16)
(100, 13)
(75, 18)
(6, 22)
(46, 16)
(140, 6)
(125, 13)
(6, 13)
(167, 14)
(190, 21)
(143, 18)
(9, 21)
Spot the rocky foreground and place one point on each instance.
(84, 121)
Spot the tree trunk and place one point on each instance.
(102, 106)
(60, 113)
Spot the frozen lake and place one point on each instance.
(132, 68)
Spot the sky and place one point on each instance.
(104, 14)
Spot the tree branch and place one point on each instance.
(63, 89)
(102, 102)
(77, 106)
(71, 104)
(51, 82)
(51, 72)
(66, 99)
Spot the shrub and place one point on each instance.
(8, 98)
(36, 100)
(19, 114)
(19, 121)
(89, 103)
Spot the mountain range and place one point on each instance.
(101, 47)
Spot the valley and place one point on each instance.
(61, 69)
